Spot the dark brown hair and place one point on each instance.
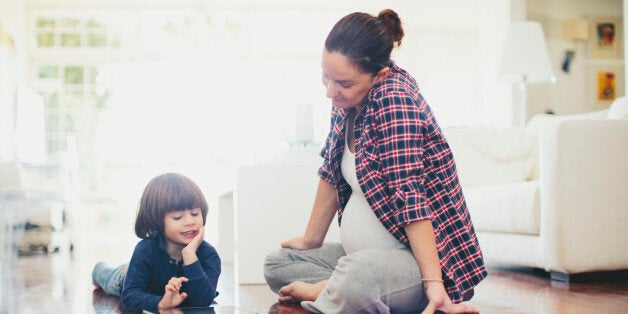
(366, 40)
(165, 193)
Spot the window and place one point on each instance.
(69, 50)
(74, 32)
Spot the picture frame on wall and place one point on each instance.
(606, 37)
(606, 84)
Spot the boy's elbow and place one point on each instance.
(129, 305)
(211, 298)
(124, 298)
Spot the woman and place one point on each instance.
(408, 243)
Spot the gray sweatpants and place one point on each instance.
(368, 281)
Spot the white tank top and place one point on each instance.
(360, 229)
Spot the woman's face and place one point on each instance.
(347, 86)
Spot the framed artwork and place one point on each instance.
(606, 38)
(606, 84)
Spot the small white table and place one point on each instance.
(271, 203)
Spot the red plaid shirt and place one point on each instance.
(407, 173)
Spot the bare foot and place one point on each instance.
(301, 291)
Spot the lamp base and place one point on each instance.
(523, 113)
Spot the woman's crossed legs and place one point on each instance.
(372, 281)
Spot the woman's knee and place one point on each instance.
(275, 257)
(273, 265)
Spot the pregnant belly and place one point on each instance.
(361, 230)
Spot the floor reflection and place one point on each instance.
(59, 281)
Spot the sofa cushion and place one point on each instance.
(486, 155)
(508, 207)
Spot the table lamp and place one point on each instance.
(525, 60)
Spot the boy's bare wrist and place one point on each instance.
(160, 305)
(189, 258)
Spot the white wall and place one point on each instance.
(573, 92)
(453, 43)
(451, 46)
(13, 20)
(11, 13)
(453, 49)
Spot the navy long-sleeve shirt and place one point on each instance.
(151, 268)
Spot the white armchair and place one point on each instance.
(552, 196)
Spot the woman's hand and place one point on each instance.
(172, 297)
(439, 300)
(299, 243)
(189, 251)
(423, 243)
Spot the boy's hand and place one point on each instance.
(189, 251)
(172, 297)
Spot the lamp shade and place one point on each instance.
(525, 58)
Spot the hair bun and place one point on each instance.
(392, 22)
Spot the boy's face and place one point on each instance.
(180, 227)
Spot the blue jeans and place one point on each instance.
(109, 279)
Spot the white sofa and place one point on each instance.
(553, 195)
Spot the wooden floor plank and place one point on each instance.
(61, 283)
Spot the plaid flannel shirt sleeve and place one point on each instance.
(402, 130)
(324, 172)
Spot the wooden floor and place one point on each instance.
(61, 283)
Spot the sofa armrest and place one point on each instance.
(584, 194)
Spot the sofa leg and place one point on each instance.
(559, 276)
